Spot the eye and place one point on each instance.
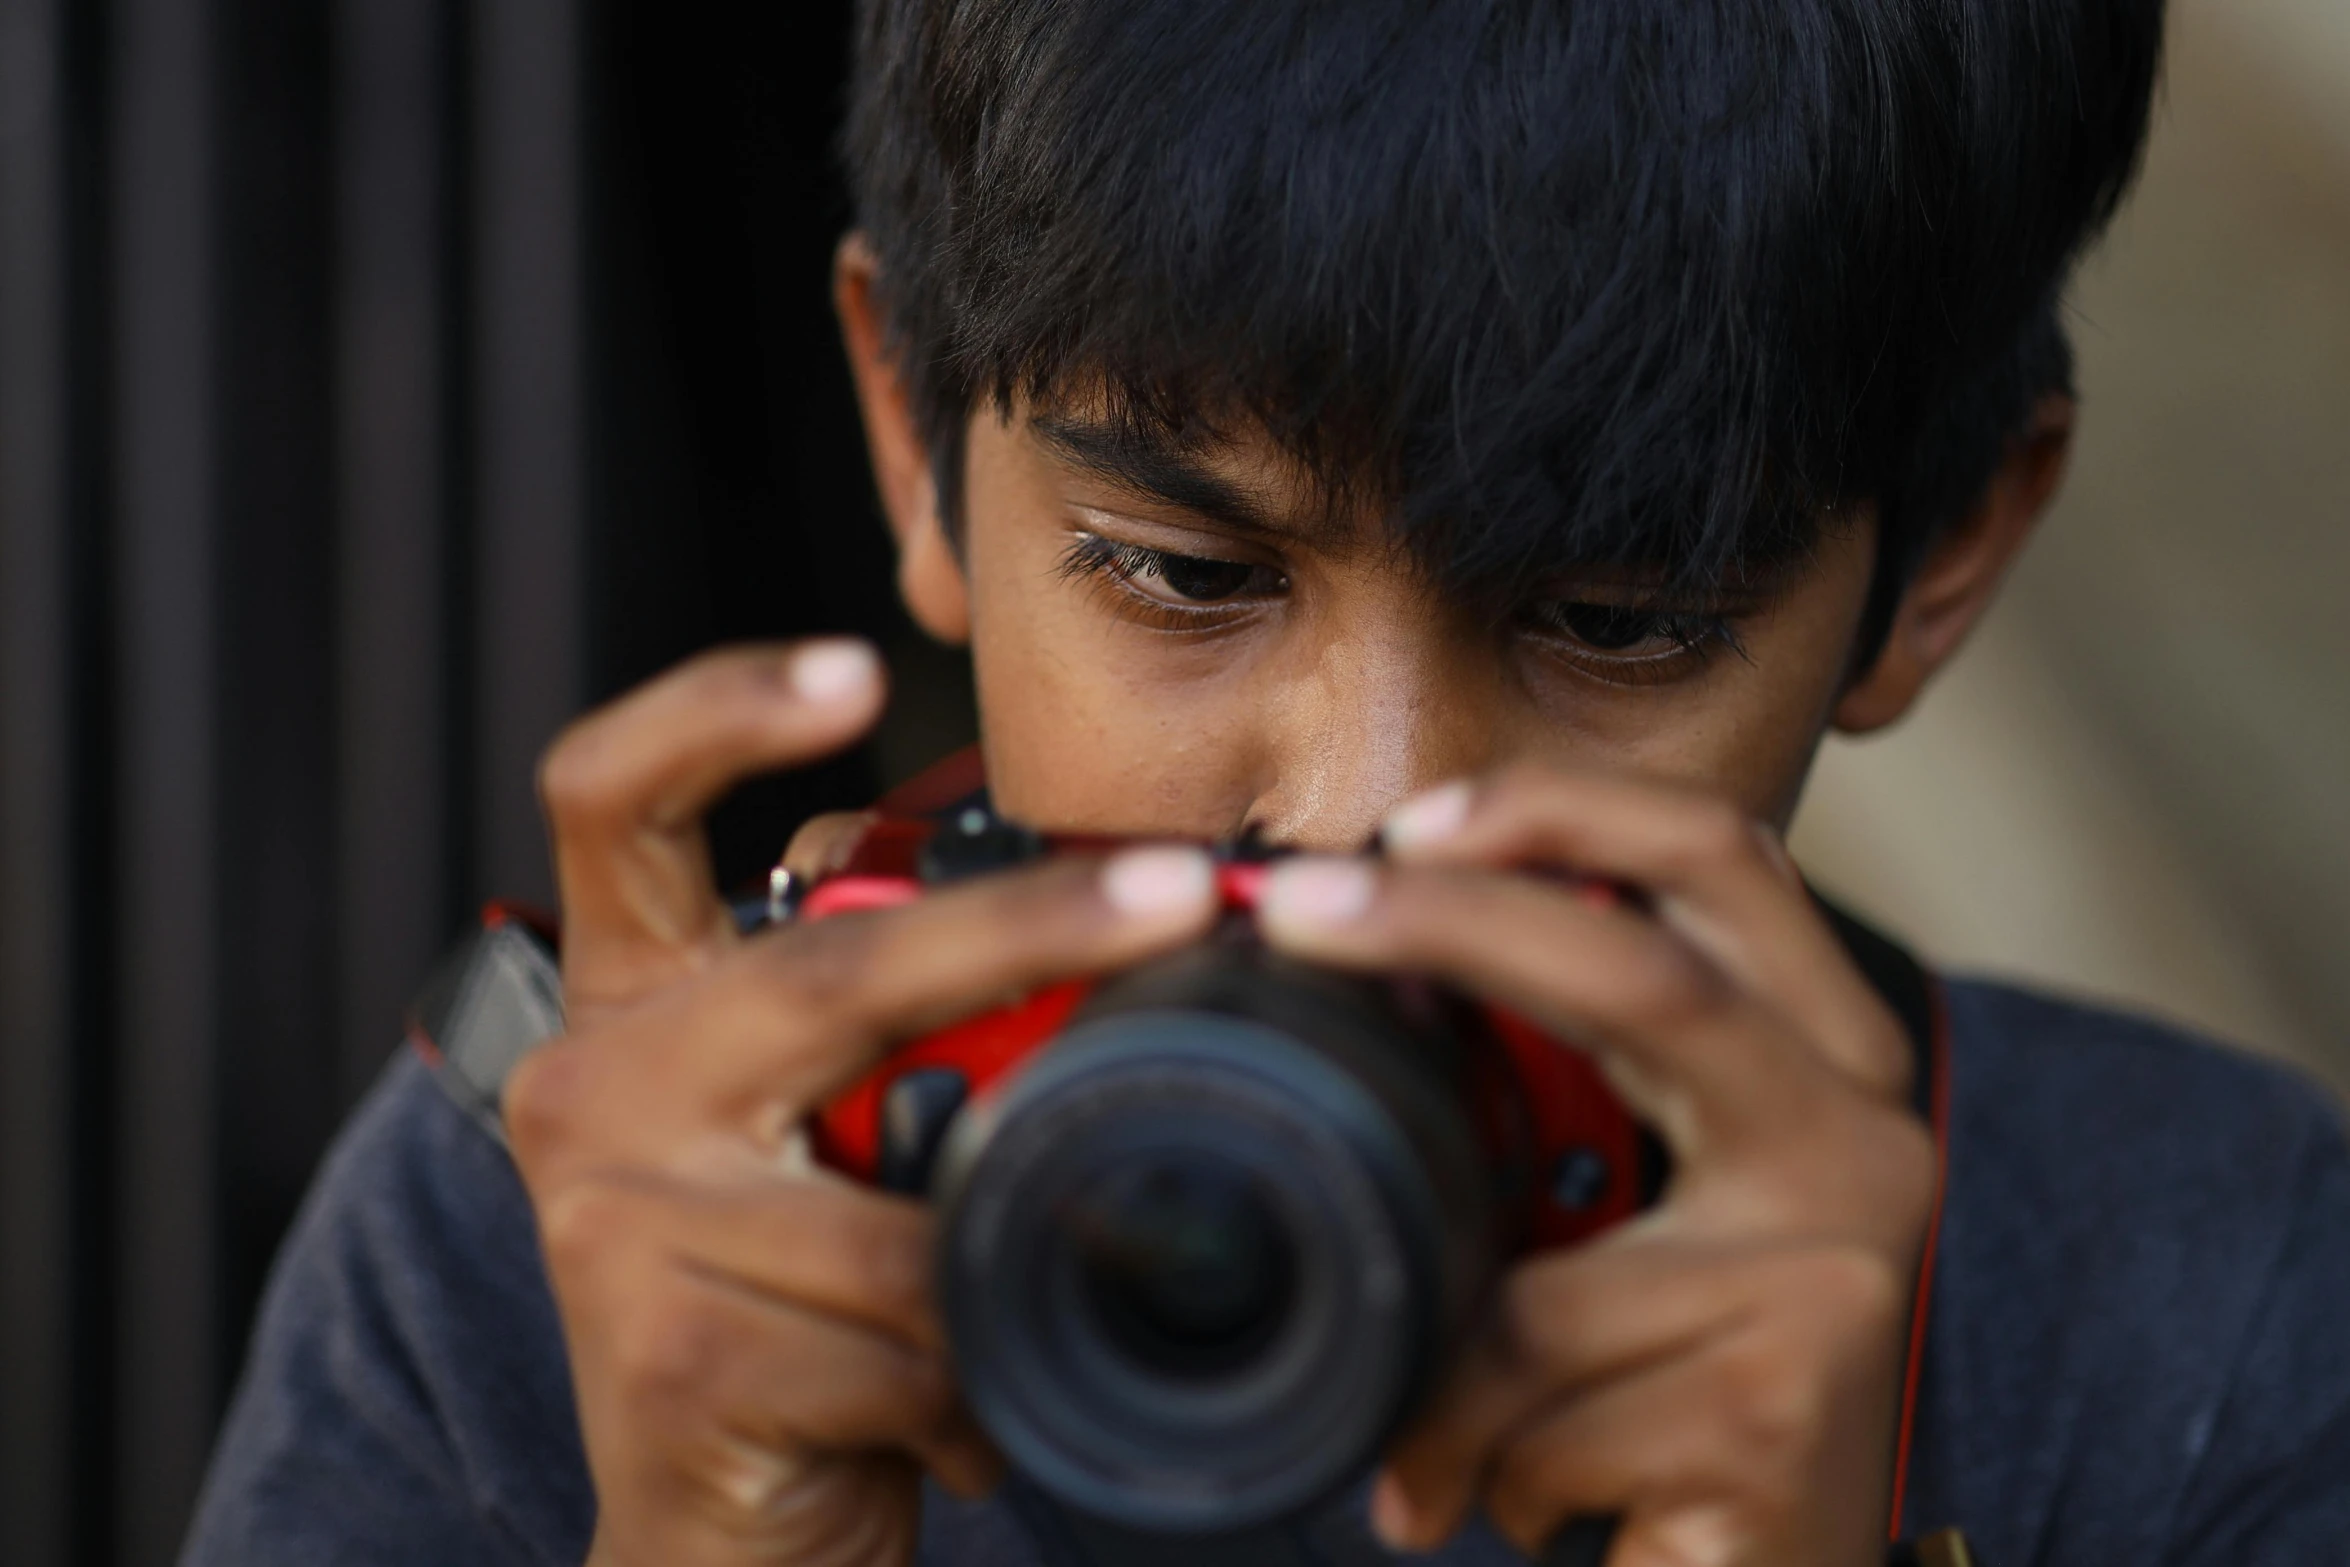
(1168, 580)
(1611, 628)
(1630, 643)
(1198, 578)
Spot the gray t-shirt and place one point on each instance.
(2139, 1350)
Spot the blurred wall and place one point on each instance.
(381, 381)
(2137, 781)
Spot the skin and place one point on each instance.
(760, 1369)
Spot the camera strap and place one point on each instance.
(490, 1003)
(1916, 998)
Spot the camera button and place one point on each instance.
(916, 1110)
(1579, 1179)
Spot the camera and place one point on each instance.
(1209, 1227)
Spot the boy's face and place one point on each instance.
(1183, 643)
(1187, 643)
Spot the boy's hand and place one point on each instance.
(1725, 1371)
(760, 1374)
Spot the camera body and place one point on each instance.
(1210, 1227)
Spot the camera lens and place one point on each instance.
(1185, 1265)
(1196, 1259)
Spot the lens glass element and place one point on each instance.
(1184, 1262)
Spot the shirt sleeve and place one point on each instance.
(405, 1397)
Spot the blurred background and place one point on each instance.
(2136, 781)
(381, 381)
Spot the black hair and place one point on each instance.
(1632, 281)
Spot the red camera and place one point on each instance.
(1209, 1227)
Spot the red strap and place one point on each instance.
(506, 911)
(1939, 1101)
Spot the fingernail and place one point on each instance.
(830, 670)
(1391, 1514)
(1147, 883)
(1429, 817)
(1316, 893)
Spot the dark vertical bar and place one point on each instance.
(36, 789)
(391, 459)
(275, 1084)
(529, 570)
(166, 899)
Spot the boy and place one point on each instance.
(1516, 428)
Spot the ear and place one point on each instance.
(930, 578)
(1962, 573)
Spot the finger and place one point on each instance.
(743, 1391)
(843, 1250)
(872, 979)
(1633, 1449)
(824, 843)
(648, 1512)
(1694, 1055)
(1720, 878)
(1781, 1424)
(964, 1460)
(1561, 1323)
(625, 789)
(796, 1014)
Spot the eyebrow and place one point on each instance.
(1155, 467)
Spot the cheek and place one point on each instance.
(1747, 729)
(1740, 732)
(1078, 736)
(1758, 750)
(1751, 737)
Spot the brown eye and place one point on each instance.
(1611, 628)
(1630, 643)
(1169, 580)
(1202, 580)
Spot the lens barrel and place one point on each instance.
(1200, 1256)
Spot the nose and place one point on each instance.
(1371, 722)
